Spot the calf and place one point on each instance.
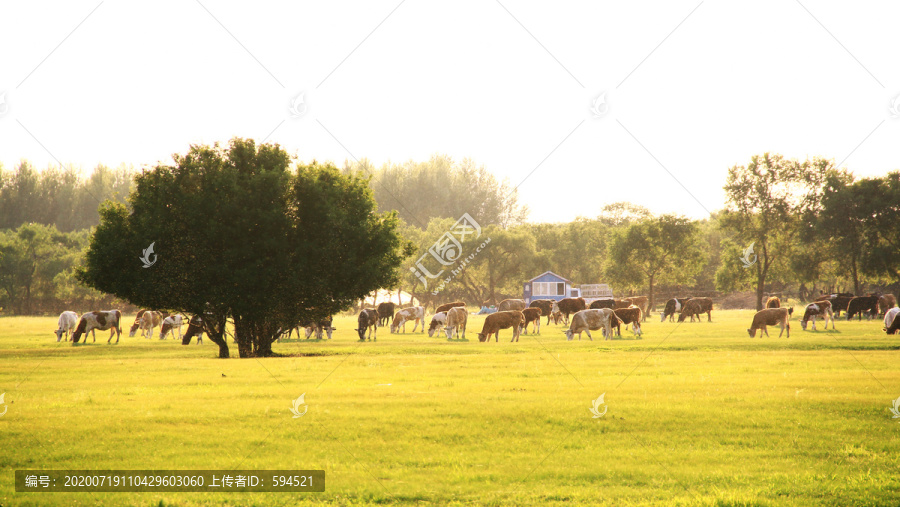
(385, 313)
(773, 302)
(367, 321)
(456, 322)
(444, 308)
(99, 320)
(170, 323)
(631, 315)
(66, 324)
(696, 306)
(501, 320)
(886, 302)
(673, 306)
(508, 305)
(771, 317)
(439, 320)
(817, 309)
(570, 305)
(891, 324)
(532, 315)
(592, 320)
(862, 305)
(546, 307)
(641, 302)
(416, 313)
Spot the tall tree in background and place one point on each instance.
(765, 200)
(882, 226)
(238, 234)
(661, 250)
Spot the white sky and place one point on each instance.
(138, 81)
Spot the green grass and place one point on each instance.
(698, 414)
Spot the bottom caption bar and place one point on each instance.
(135, 481)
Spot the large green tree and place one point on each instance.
(238, 234)
(660, 250)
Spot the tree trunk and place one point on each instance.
(853, 270)
(650, 296)
(243, 337)
(219, 339)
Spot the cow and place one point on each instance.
(501, 320)
(839, 301)
(546, 307)
(892, 321)
(444, 308)
(110, 319)
(862, 304)
(170, 323)
(886, 302)
(602, 303)
(557, 316)
(367, 321)
(385, 313)
(631, 315)
(567, 306)
(508, 305)
(148, 320)
(771, 317)
(592, 320)
(66, 325)
(456, 322)
(416, 313)
(642, 302)
(696, 306)
(439, 320)
(621, 303)
(673, 306)
(195, 327)
(817, 309)
(532, 315)
(773, 302)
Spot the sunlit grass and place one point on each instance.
(698, 414)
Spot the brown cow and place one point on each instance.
(631, 315)
(592, 320)
(773, 302)
(532, 315)
(860, 305)
(110, 319)
(641, 302)
(817, 309)
(501, 320)
(546, 306)
(508, 305)
(570, 305)
(456, 322)
(771, 317)
(697, 306)
(839, 301)
(447, 306)
(386, 312)
(621, 303)
(603, 303)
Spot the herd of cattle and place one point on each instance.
(606, 315)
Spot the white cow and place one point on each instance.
(439, 319)
(591, 320)
(416, 313)
(170, 323)
(110, 319)
(889, 317)
(67, 323)
(456, 322)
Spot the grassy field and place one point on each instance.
(698, 414)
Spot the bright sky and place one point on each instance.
(691, 88)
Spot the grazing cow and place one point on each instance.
(771, 317)
(439, 320)
(673, 306)
(886, 302)
(641, 302)
(385, 313)
(195, 328)
(592, 320)
(546, 307)
(444, 308)
(817, 309)
(773, 302)
(148, 320)
(631, 315)
(90, 321)
(367, 321)
(66, 324)
(570, 305)
(696, 306)
(603, 303)
(508, 305)
(416, 313)
(532, 315)
(319, 326)
(456, 322)
(170, 323)
(557, 316)
(862, 304)
(892, 320)
(501, 320)
(839, 301)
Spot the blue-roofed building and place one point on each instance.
(547, 285)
